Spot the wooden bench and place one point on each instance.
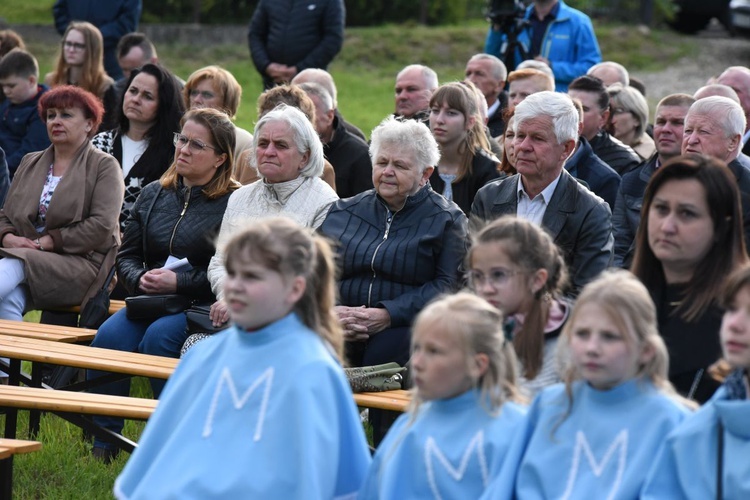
(45, 332)
(8, 448)
(114, 306)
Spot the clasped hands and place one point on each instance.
(13, 241)
(360, 323)
(281, 73)
(158, 281)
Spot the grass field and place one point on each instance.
(364, 73)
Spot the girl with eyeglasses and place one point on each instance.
(142, 142)
(81, 63)
(175, 218)
(515, 266)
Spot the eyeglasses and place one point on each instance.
(496, 277)
(203, 93)
(74, 46)
(194, 145)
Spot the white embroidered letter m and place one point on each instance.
(239, 402)
(619, 446)
(432, 453)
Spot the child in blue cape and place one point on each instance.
(596, 435)
(708, 455)
(262, 409)
(461, 421)
(515, 266)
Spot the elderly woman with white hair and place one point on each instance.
(289, 159)
(401, 244)
(629, 119)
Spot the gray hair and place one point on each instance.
(304, 135)
(408, 135)
(622, 73)
(537, 65)
(559, 107)
(724, 111)
(716, 89)
(499, 71)
(317, 90)
(321, 77)
(632, 101)
(428, 74)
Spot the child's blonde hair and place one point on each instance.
(479, 328)
(531, 249)
(291, 250)
(628, 304)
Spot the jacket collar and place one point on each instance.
(411, 200)
(280, 192)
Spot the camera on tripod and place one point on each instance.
(508, 17)
(502, 12)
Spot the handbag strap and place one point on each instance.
(145, 223)
(720, 462)
(110, 275)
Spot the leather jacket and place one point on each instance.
(183, 223)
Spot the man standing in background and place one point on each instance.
(286, 37)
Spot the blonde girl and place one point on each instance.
(595, 436)
(515, 266)
(461, 421)
(718, 433)
(262, 409)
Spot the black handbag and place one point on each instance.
(142, 307)
(198, 320)
(96, 310)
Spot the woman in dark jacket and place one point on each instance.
(690, 239)
(177, 217)
(149, 114)
(466, 162)
(401, 245)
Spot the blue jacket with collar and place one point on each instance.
(21, 130)
(570, 44)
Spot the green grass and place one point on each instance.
(27, 12)
(364, 72)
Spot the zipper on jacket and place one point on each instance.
(388, 221)
(182, 214)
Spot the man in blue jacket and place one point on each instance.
(559, 35)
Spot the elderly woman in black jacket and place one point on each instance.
(402, 244)
(177, 217)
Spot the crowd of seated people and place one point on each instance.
(543, 262)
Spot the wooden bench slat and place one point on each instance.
(387, 400)
(44, 331)
(10, 447)
(87, 357)
(32, 398)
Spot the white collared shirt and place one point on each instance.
(494, 107)
(533, 210)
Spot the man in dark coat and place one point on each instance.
(286, 37)
(595, 100)
(669, 124)
(543, 192)
(349, 155)
(488, 74)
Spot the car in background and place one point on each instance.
(694, 15)
(740, 10)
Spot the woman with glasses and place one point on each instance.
(629, 118)
(150, 112)
(81, 63)
(175, 218)
(215, 87)
(515, 266)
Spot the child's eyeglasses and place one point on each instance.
(194, 145)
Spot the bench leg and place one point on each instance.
(11, 414)
(35, 415)
(6, 478)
